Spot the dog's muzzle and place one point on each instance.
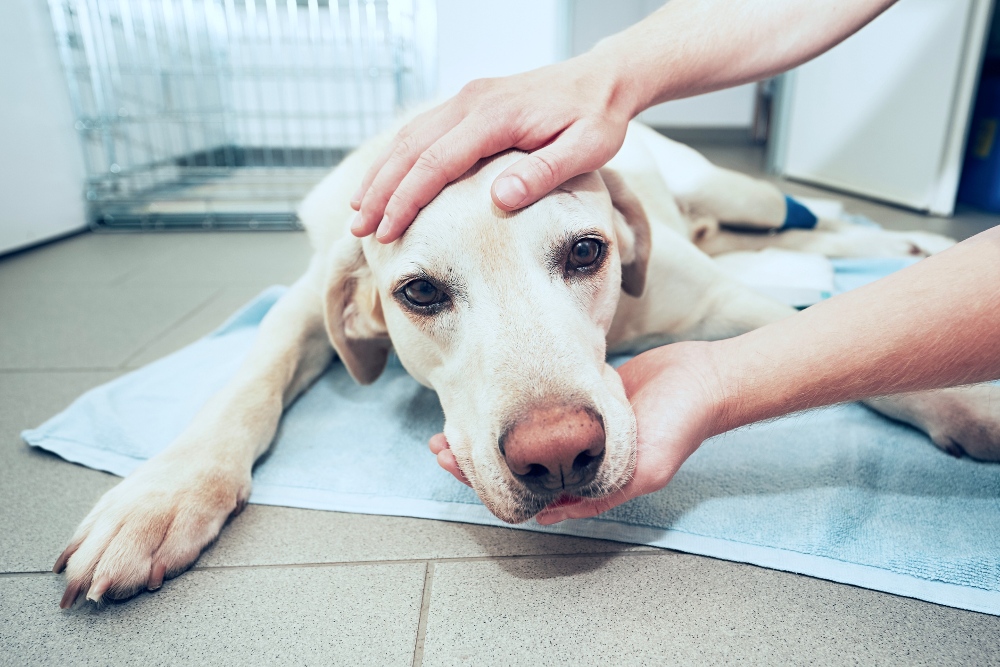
(555, 450)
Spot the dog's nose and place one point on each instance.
(555, 449)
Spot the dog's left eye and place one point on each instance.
(584, 253)
(423, 293)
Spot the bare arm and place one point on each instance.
(935, 324)
(572, 115)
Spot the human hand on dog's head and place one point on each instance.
(675, 395)
(571, 117)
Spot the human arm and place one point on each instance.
(935, 324)
(572, 116)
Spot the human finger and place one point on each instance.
(584, 509)
(441, 163)
(417, 121)
(580, 148)
(446, 459)
(385, 174)
(438, 443)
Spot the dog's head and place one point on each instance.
(505, 316)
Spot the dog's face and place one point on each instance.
(505, 317)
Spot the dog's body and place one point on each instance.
(509, 318)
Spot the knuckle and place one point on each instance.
(545, 169)
(400, 206)
(431, 161)
(406, 146)
(475, 87)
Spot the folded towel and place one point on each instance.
(839, 493)
(798, 279)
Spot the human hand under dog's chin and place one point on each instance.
(674, 394)
(446, 459)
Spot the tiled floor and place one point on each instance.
(286, 586)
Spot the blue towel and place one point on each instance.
(839, 493)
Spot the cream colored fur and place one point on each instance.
(519, 332)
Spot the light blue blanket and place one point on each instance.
(839, 493)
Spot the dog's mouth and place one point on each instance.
(564, 500)
(528, 507)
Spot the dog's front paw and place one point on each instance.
(152, 526)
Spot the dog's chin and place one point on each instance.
(526, 507)
(516, 512)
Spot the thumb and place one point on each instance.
(576, 151)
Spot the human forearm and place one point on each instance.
(572, 116)
(934, 324)
(689, 47)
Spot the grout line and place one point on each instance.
(29, 573)
(173, 326)
(457, 559)
(425, 605)
(405, 561)
(79, 369)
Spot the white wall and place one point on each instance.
(480, 38)
(41, 166)
(592, 20)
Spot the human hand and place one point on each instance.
(571, 116)
(675, 394)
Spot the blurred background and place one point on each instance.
(221, 114)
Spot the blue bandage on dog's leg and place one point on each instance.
(798, 216)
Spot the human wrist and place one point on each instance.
(732, 403)
(624, 95)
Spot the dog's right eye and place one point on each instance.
(423, 293)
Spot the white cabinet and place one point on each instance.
(41, 164)
(885, 113)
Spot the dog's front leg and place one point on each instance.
(156, 522)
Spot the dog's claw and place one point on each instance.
(61, 561)
(70, 596)
(156, 574)
(98, 589)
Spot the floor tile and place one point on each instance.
(679, 609)
(76, 326)
(265, 258)
(264, 535)
(353, 615)
(84, 259)
(43, 497)
(198, 323)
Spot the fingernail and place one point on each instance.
(356, 197)
(383, 229)
(357, 224)
(510, 191)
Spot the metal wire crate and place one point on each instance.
(223, 113)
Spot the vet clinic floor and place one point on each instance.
(287, 586)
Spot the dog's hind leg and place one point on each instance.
(704, 190)
(155, 523)
(832, 238)
(705, 304)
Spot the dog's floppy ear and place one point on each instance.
(632, 230)
(352, 311)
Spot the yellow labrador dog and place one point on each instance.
(508, 317)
